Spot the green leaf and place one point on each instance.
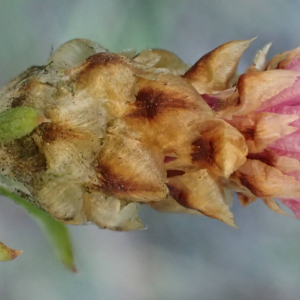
(18, 122)
(7, 253)
(55, 230)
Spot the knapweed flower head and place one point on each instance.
(93, 134)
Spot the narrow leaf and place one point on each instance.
(56, 231)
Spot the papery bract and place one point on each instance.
(107, 132)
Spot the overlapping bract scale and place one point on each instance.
(215, 71)
(128, 129)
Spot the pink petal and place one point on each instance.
(213, 101)
(289, 143)
(293, 204)
(261, 90)
(292, 60)
(286, 110)
(288, 96)
(295, 174)
(289, 60)
(294, 64)
(221, 100)
(290, 154)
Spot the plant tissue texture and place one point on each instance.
(92, 134)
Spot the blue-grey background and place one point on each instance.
(178, 256)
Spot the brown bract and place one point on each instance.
(110, 78)
(161, 58)
(265, 181)
(218, 148)
(127, 170)
(166, 113)
(214, 71)
(203, 192)
(170, 205)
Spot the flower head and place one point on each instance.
(121, 130)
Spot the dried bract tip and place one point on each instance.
(213, 72)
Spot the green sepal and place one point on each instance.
(18, 122)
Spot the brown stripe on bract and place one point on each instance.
(97, 62)
(268, 157)
(166, 113)
(217, 139)
(202, 151)
(245, 196)
(179, 192)
(128, 170)
(150, 103)
(51, 132)
(245, 125)
(251, 185)
(103, 58)
(210, 150)
(110, 78)
(282, 163)
(113, 181)
(156, 98)
(174, 173)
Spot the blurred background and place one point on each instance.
(178, 256)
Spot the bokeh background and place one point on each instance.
(178, 256)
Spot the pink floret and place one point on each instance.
(294, 64)
(292, 204)
(287, 97)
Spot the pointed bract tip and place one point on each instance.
(266, 48)
(7, 254)
(230, 222)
